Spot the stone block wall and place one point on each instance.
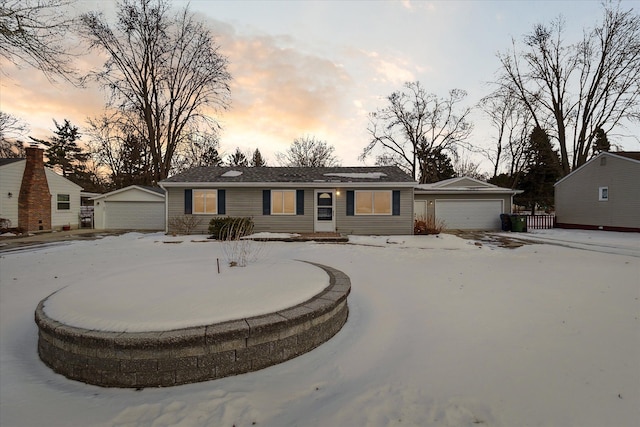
(181, 356)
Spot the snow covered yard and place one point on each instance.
(441, 333)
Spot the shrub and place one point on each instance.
(231, 231)
(184, 224)
(5, 224)
(230, 228)
(428, 225)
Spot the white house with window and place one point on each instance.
(346, 200)
(65, 195)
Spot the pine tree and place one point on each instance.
(63, 153)
(542, 172)
(257, 160)
(601, 142)
(237, 159)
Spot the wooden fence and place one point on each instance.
(540, 222)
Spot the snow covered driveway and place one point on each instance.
(441, 333)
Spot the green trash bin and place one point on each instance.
(518, 223)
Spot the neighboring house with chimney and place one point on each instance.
(34, 197)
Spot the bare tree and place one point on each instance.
(11, 129)
(164, 72)
(197, 149)
(308, 152)
(512, 123)
(119, 153)
(578, 88)
(415, 125)
(36, 33)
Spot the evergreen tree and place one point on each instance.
(601, 142)
(63, 153)
(435, 165)
(211, 157)
(542, 171)
(237, 159)
(257, 160)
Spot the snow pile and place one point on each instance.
(441, 332)
(231, 174)
(166, 293)
(362, 175)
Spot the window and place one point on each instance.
(603, 194)
(64, 202)
(205, 202)
(373, 203)
(283, 202)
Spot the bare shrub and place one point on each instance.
(237, 250)
(184, 224)
(428, 225)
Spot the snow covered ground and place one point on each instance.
(441, 332)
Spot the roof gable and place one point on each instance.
(319, 176)
(463, 184)
(630, 156)
(154, 191)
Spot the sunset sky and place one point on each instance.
(317, 68)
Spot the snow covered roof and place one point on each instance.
(463, 185)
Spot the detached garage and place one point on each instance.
(464, 203)
(131, 208)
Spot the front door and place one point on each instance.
(325, 218)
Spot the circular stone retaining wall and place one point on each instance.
(181, 356)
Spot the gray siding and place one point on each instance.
(375, 224)
(576, 197)
(248, 202)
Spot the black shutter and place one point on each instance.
(299, 202)
(266, 202)
(222, 202)
(350, 202)
(188, 201)
(395, 205)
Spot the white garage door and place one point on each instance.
(134, 215)
(469, 214)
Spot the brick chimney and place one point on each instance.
(34, 202)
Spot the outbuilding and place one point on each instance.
(463, 203)
(130, 208)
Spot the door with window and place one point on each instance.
(325, 218)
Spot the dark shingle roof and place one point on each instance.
(5, 161)
(368, 174)
(635, 155)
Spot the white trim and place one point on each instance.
(603, 194)
(64, 201)
(355, 203)
(193, 202)
(331, 224)
(295, 202)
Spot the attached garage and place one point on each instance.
(131, 208)
(464, 203)
(470, 214)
